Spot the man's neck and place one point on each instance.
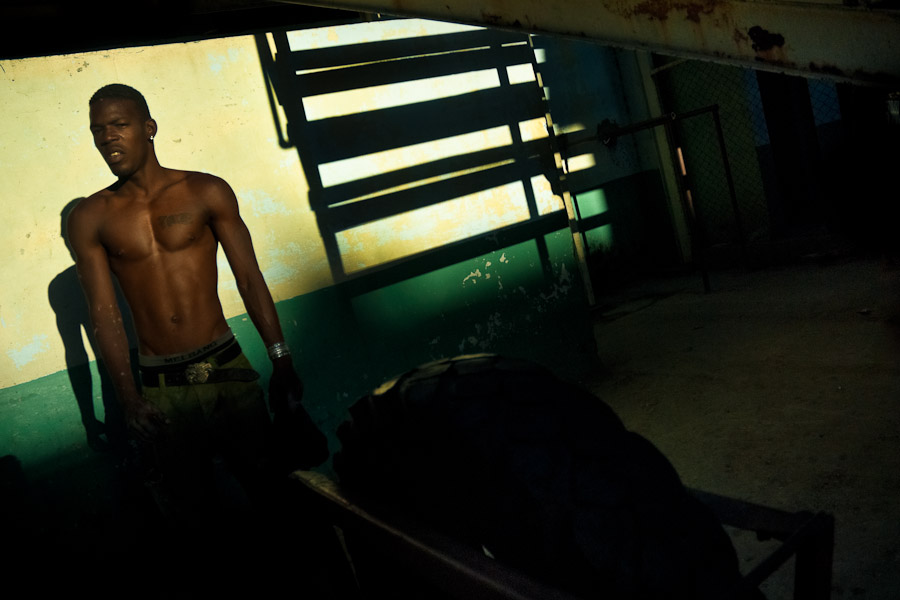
(144, 180)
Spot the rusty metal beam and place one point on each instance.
(812, 38)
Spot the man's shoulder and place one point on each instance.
(97, 203)
(202, 181)
(94, 204)
(202, 185)
(210, 189)
(88, 214)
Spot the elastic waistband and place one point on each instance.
(206, 368)
(181, 359)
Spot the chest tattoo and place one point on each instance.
(170, 220)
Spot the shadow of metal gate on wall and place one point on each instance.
(415, 182)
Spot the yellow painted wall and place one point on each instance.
(210, 101)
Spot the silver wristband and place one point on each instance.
(277, 350)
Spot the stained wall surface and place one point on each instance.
(217, 112)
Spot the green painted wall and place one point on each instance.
(345, 345)
(81, 509)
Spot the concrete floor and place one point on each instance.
(780, 387)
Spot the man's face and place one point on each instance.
(121, 135)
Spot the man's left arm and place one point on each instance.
(231, 231)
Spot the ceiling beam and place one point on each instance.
(823, 38)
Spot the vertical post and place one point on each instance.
(560, 151)
(697, 239)
(580, 247)
(666, 161)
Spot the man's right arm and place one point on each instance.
(92, 263)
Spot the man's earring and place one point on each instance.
(151, 138)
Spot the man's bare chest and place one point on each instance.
(141, 230)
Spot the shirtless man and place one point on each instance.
(157, 230)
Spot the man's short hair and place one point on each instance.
(120, 91)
